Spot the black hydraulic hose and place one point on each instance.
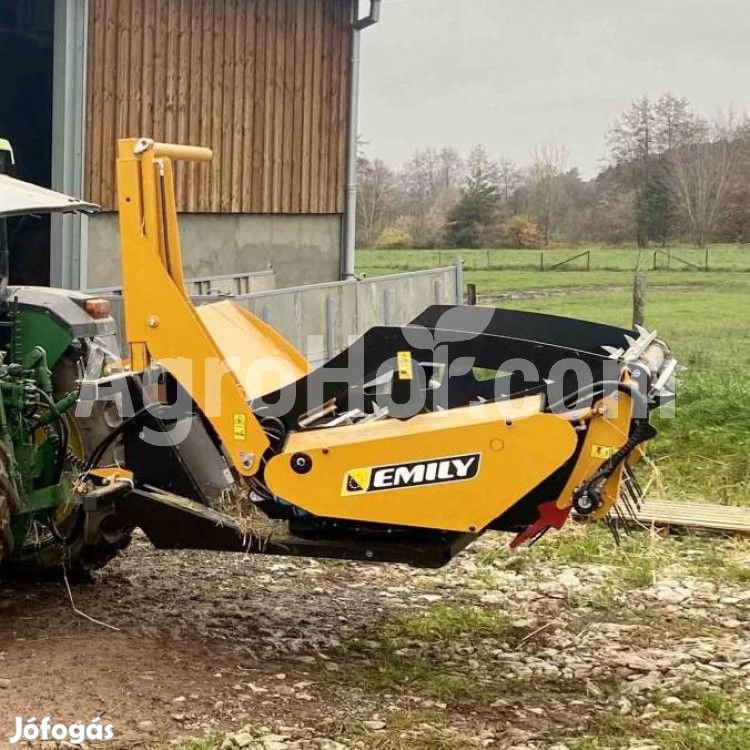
(64, 434)
(642, 432)
(87, 466)
(100, 449)
(591, 390)
(75, 532)
(274, 429)
(276, 433)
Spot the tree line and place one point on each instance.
(671, 175)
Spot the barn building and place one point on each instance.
(270, 85)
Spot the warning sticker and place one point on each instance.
(404, 366)
(240, 426)
(603, 452)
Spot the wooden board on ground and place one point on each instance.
(698, 516)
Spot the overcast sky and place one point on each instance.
(515, 74)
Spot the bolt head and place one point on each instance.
(301, 463)
(248, 459)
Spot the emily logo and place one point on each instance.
(411, 474)
(75, 734)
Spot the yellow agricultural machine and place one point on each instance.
(405, 447)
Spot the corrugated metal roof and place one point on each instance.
(18, 197)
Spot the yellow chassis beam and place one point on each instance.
(456, 470)
(161, 325)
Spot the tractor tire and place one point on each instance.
(85, 549)
(9, 505)
(6, 539)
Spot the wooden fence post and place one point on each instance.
(640, 288)
(471, 294)
(541, 261)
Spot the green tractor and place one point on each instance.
(50, 339)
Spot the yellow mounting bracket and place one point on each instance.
(161, 325)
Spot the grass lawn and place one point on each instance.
(702, 453)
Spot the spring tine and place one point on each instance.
(634, 488)
(634, 493)
(636, 484)
(630, 505)
(628, 501)
(623, 521)
(629, 477)
(625, 501)
(613, 529)
(626, 524)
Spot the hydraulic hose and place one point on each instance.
(63, 433)
(593, 388)
(100, 449)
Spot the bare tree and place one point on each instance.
(420, 177)
(639, 143)
(631, 138)
(632, 149)
(376, 200)
(509, 178)
(451, 170)
(700, 172)
(735, 213)
(673, 123)
(545, 186)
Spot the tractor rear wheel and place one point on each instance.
(88, 546)
(8, 505)
(6, 540)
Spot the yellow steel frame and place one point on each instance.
(514, 446)
(608, 431)
(517, 448)
(161, 324)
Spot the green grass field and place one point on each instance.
(704, 451)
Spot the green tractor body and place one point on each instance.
(49, 341)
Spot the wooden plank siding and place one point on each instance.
(263, 82)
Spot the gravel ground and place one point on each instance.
(574, 644)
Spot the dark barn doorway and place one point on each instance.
(26, 59)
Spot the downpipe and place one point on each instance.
(350, 212)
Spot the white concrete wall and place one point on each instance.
(301, 249)
(321, 319)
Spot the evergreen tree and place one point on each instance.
(475, 209)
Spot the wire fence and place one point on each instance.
(721, 258)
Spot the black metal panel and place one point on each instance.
(570, 333)
(486, 337)
(172, 522)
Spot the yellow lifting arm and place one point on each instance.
(161, 324)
